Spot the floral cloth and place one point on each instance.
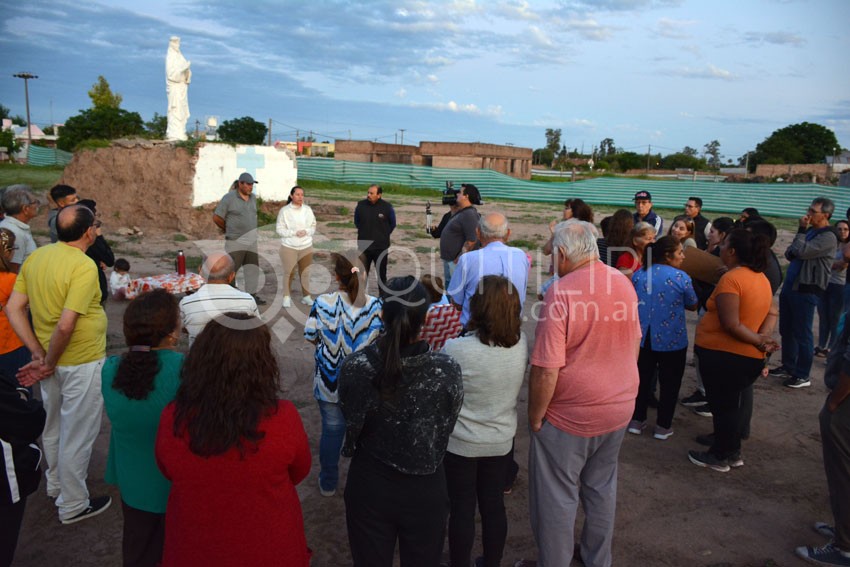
(663, 293)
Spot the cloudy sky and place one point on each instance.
(665, 73)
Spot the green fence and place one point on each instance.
(775, 199)
(47, 156)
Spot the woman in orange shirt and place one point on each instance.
(13, 353)
(732, 340)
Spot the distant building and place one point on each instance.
(304, 148)
(510, 160)
(839, 163)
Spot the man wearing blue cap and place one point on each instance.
(236, 215)
(643, 206)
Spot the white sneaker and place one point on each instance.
(307, 300)
(287, 301)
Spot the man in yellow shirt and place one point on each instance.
(59, 283)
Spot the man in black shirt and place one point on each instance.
(375, 221)
(693, 210)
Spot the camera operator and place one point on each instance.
(458, 235)
(437, 231)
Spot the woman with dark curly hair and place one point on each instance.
(234, 453)
(400, 401)
(136, 387)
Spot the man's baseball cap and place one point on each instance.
(247, 178)
(643, 196)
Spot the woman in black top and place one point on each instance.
(400, 402)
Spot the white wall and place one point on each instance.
(219, 165)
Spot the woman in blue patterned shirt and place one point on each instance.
(340, 323)
(664, 293)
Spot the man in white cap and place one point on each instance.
(236, 215)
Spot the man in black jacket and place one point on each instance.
(375, 221)
(693, 210)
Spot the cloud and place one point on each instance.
(708, 72)
(401, 93)
(674, 29)
(587, 28)
(493, 111)
(516, 11)
(622, 5)
(775, 38)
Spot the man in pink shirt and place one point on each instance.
(582, 389)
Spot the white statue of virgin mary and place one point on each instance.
(177, 78)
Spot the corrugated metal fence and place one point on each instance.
(47, 156)
(775, 199)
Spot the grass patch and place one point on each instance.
(341, 224)
(180, 238)
(527, 244)
(39, 178)
(343, 211)
(425, 249)
(407, 226)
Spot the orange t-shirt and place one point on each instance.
(753, 291)
(9, 341)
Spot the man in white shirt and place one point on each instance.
(21, 206)
(216, 297)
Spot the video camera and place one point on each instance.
(450, 194)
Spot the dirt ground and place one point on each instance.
(670, 512)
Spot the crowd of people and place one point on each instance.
(417, 385)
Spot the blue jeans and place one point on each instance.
(330, 444)
(448, 269)
(830, 308)
(796, 317)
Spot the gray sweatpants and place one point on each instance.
(564, 470)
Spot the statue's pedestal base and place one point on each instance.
(157, 185)
(218, 165)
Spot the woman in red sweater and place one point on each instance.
(234, 454)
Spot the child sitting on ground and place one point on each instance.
(119, 279)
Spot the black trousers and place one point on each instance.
(144, 536)
(379, 258)
(478, 480)
(726, 377)
(670, 366)
(383, 506)
(11, 517)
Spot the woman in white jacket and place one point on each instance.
(295, 226)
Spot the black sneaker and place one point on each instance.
(796, 383)
(826, 555)
(736, 460)
(704, 410)
(779, 372)
(96, 506)
(707, 460)
(695, 399)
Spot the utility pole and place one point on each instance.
(402, 136)
(26, 77)
(648, 151)
(197, 128)
(747, 166)
(270, 132)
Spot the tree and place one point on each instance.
(606, 148)
(682, 160)
(630, 160)
(4, 112)
(542, 156)
(243, 130)
(157, 126)
(712, 150)
(553, 139)
(102, 96)
(797, 143)
(7, 140)
(105, 123)
(689, 151)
